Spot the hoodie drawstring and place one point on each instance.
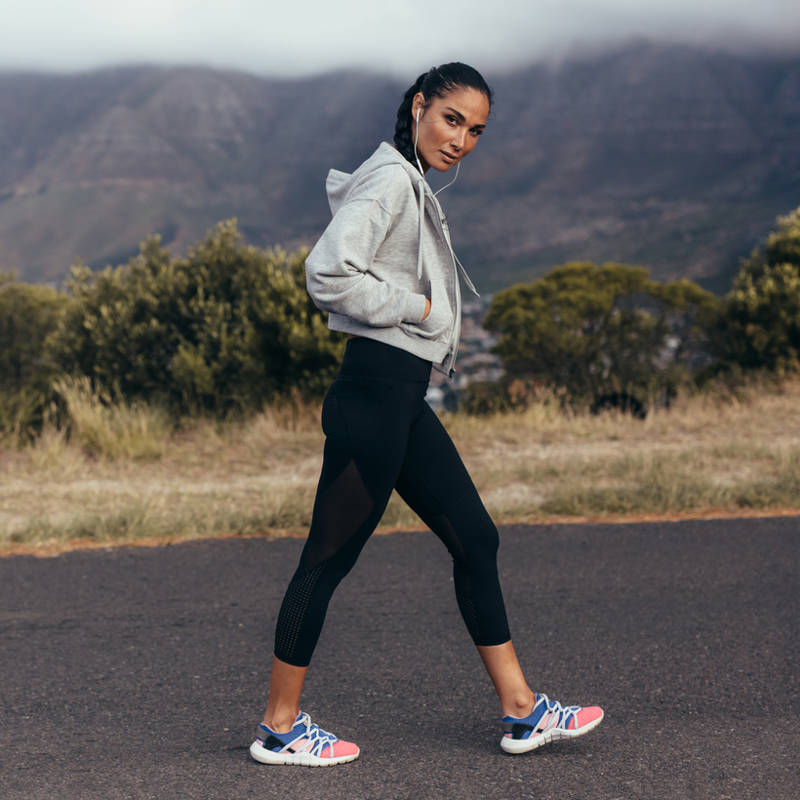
(467, 280)
(421, 191)
(421, 196)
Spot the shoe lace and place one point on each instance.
(318, 739)
(559, 715)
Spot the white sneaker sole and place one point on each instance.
(554, 734)
(264, 756)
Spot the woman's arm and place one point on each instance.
(338, 273)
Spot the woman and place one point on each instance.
(385, 271)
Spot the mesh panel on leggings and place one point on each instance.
(294, 609)
(341, 508)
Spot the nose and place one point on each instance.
(458, 140)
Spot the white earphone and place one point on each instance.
(416, 139)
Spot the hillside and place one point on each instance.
(675, 158)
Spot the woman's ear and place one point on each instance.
(417, 105)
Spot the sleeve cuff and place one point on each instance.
(414, 309)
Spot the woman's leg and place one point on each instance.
(283, 702)
(344, 516)
(515, 696)
(436, 484)
(367, 424)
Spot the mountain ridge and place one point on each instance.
(667, 156)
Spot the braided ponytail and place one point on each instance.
(403, 140)
(436, 82)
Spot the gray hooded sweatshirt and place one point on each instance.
(385, 251)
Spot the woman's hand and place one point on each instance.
(427, 308)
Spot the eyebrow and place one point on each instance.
(462, 118)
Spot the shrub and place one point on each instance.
(228, 328)
(28, 316)
(759, 327)
(602, 332)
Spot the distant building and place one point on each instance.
(475, 361)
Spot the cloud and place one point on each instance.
(292, 38)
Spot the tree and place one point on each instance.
(602, 334)
(759, 327)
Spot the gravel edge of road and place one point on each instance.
(51, 549)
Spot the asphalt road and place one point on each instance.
(140, 673)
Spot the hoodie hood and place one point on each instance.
(339, 185)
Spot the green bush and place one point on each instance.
(229, 327)
(759, 327)
(486, 397)
(28, 316)
(593, 333)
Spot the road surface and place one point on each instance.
(139, 672)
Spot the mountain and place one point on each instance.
(671, 157)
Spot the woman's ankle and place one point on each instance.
(280, 722)
(520, 705)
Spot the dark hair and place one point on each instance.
(436, 82)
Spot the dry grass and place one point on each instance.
(706, 453)
(113, 430)
(123, 477)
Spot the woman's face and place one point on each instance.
(449, 126)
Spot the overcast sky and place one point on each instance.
(297, 38)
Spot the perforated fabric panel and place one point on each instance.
(293, 612)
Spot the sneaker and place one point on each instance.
(305, 744)
(548, 721)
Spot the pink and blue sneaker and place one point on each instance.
(306, 744)
(548, 722)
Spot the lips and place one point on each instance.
(448, 157)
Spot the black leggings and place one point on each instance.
(382, 435)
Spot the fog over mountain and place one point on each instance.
(669, 156)
(301, 39)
